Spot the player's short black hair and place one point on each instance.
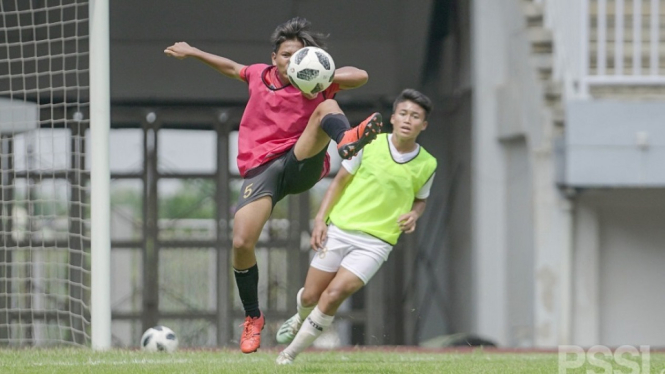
(297, 28)
(417, 97)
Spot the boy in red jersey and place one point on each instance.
(282, 145)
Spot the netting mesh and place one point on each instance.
(44, 193)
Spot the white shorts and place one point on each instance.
(357, 252)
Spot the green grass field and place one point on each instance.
(347, 361)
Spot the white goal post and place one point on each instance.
(100, 175)
(54, 173)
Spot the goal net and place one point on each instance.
(44, 185)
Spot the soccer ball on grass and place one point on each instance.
(159, 338)
(311, 70)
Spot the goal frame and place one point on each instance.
(100, 177)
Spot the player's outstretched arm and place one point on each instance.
(182, 50)
(348, 77)
(407, 222)
(330, 198)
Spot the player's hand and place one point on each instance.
(407, 222)
(319, 234)
(179, 50)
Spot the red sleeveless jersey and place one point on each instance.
(274, 117)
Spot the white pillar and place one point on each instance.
(100, 123)
(553, 240)
(586, 322)
(488, 194)
(546, 256)
(566, 213)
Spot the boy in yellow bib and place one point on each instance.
(376, 195)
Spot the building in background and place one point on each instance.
(567, 147)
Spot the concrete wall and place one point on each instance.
(488, 240)
(488, 188)
(519, 219)
(519, 242)
(558, 266)
(620, 253)
(614, 143)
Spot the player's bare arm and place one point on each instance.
(349, 77)
(407, 221)
(182, 50)
(332, 195)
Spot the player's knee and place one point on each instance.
(335, 295)
(242, 244)
(326, 107)
(309, 299)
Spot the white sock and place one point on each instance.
(311, 329)
(302, 311)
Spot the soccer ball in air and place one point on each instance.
(311, 70)
(159, 338)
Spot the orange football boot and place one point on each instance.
(250, 341)
(357, 137)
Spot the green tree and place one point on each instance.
(193, 199)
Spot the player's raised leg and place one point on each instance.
(314, 139)
(247, 225)
(307, 298)
(329, 122)
(343, 285)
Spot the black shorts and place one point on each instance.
(282, 176)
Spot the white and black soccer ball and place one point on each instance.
(159, 338)
(311, 70)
